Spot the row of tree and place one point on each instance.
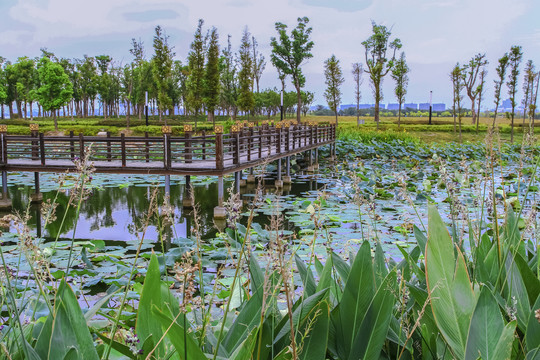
(471, 77)
(211, 79)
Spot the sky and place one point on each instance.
(436, 34)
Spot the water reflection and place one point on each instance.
(112, 213)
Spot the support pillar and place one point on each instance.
(316, 162)
(243, 182)
(5, 203)
(311, 166)
(168, 186)
(287, 178)
(187, 200)
(219, 211)
(237, 179)
(37, 196)
(279, 182)
(251, 177)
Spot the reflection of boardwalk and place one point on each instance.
(215, 154)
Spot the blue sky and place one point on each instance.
(435, 34)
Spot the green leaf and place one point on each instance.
(488, 337)
(379, 264)
(146, 324)
(245, 350)
(307, 277)
(452, 297)
(421, 239)
(176, 334)
(314, 346)
(517, 291)
(348, 314)
(376, 322)
(66, 328)
(248, 319)
(532, 336)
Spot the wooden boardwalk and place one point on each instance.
(213, 154)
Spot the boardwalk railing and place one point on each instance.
(206, 154)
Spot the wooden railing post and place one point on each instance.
(219, 151)
(35, 148)
(249, 143)
(109, 156)
(42, 148)
(167, 151)
(260, 142)
(236, 146)
(147, 146)
(71, 146)
(204, 145)
(3, 148)
(187, 147)
(123, 148)
(287, 138)
(81, 146)
(278, 140)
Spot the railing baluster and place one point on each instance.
(81, 146)
(219, 151)
(71, 146)
(147, 146)
(123, 148)
(42, 148)
(109, 156)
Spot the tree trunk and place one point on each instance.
(24, 110)
(2, 111)
(512, 126)
(399, 117)
(19, 108)
(39, 110)
(299, 100)
(31, 112)
(127, 114)
(10, 106)
(377, 100)
(473, 112)
(55, 121)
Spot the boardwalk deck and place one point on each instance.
(216, 155)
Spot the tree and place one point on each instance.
(307, 99)
(528, 87)
(246, 100)
(290, 52)
(532, 106)
(357, 71)
(25, 82)
(501, 73)
(378, 66)
(258, 63)
(195, 84)
(55, 90)
(480, 93)
(458, 83)
(3, 87)
(514, 59)
(399, 74)
(211, 75)
(162, 70)
(229, 86)
(334, 79)
(104, 82)
(471, 71)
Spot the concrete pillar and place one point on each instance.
(5, 202)
(219, 211)
(187, 199)
(237, 179)
(168, 185)
(287, 177)
(279, 182)
(37, 196)
(311, 165)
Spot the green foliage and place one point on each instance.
(290, 52)
(162, 69)
(195, 80)
(334, 80)
(211, 75)
(377, 62)
(246, 100)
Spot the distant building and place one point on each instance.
(439, 107)
(423, 106)
(507, 104)
(347, 106)
(366, 106)
(410, 106)
(393, 106)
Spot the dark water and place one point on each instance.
(118, 202)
